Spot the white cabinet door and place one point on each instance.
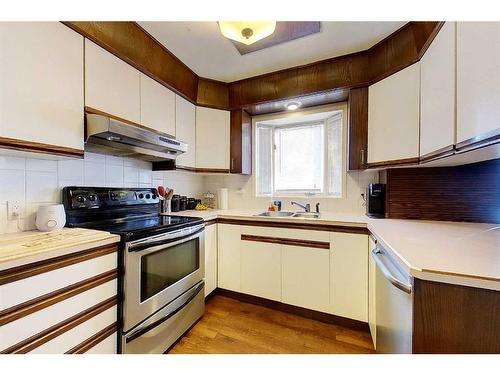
(261, 269)
(306, 277)
(185, 130)
(372, 322)
(393, 116)
(157, 106)
(478, 79)
(210, 258)
(212, 138)
(437, 96)
(111, 85)
(229, 257)
(349, 275)
(41, 83)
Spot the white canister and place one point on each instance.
(223, 198)
(51, 217)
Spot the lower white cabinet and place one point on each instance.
(261, 269)
(349, 275)
(229, 257)
(371, 292)
(210, 258)
(306, 277)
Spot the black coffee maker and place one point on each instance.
(375, 201)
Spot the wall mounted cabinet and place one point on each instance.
(41, 90)
(357, 134)
(241, 142)
(478, 80)
(157, 106)
(185, 130)
(393, 118)
(437, 103)
(111, 85)
(212, 139)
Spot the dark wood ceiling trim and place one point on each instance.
(213, 94)
(131, 43)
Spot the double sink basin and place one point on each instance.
(308, 215)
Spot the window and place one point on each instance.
(300, 156)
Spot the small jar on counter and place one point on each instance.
(183, 203)
(176, 203)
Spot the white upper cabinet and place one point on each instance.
(212, 138)
(393, 116)
(478, 79)
(157, 106)
(437, 97)
(185, 130)
(111, 85)
(41, 83)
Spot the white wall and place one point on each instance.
(34, 181)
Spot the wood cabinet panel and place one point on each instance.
(306, 277)
(185, 130)
(358, 129)
(478, 64)
(41, 90)
(212, 138)
(393, 117)
(437, 92)
(241, 143)
(210, 258)
(157, 106)
(111, 85)
(349, 275)
(229, 260)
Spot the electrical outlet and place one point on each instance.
(13, 210)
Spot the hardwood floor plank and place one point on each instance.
(233, 327)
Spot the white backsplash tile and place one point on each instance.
(12, 162)
(12, 185)
(41, 187)
(131, 175)
(94, 174)
(114, 175)
(41, 165)
(70, 170)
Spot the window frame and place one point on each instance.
(260, 121)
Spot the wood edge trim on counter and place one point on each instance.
(92, 341)
(296, 310)
(94, 111)
(50, 333)
(438, 154)
(41, 148)
(394, 163)
(36, 268)
(461, 275)
(36, 304)
(210, 222)
(286, 241)
(305, 226)
(201, 170)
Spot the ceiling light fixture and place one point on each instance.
(247, 32)
(292, 106)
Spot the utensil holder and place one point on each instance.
(165, 206)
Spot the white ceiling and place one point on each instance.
(202, 47)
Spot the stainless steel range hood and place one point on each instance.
(106, 135)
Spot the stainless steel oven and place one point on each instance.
(163, 269)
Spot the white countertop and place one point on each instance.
(450, 252)
(21, 248)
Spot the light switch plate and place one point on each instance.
(13, 210)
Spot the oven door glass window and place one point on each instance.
(165, 267)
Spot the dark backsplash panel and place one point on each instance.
(462, 193)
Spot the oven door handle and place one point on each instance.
(165, 238)
(152, 323)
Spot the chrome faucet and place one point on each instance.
(306, 207)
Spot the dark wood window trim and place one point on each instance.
(50, 333)
(92, 341)
(36, 268)
(286, 241)
(29, 307)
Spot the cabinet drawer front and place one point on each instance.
(228, 261)
(20, 291)
(106, 346)
(21, 329)
(78, 335)
(306, 277)
(287, 233)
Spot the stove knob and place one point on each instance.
(155, 196)
(80, 199)
(148, 196)
(141, 196)
(92, 197)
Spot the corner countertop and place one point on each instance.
(450, 252)
(21, 248)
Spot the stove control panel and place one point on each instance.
(91, 198)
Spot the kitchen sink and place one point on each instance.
(310, 215)
(276, 214)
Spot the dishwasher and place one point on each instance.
(394, 304)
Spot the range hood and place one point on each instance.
(105, 135)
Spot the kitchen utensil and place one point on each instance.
(161, 191)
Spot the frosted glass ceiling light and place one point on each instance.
(247, 32)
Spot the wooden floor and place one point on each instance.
(230, 326)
